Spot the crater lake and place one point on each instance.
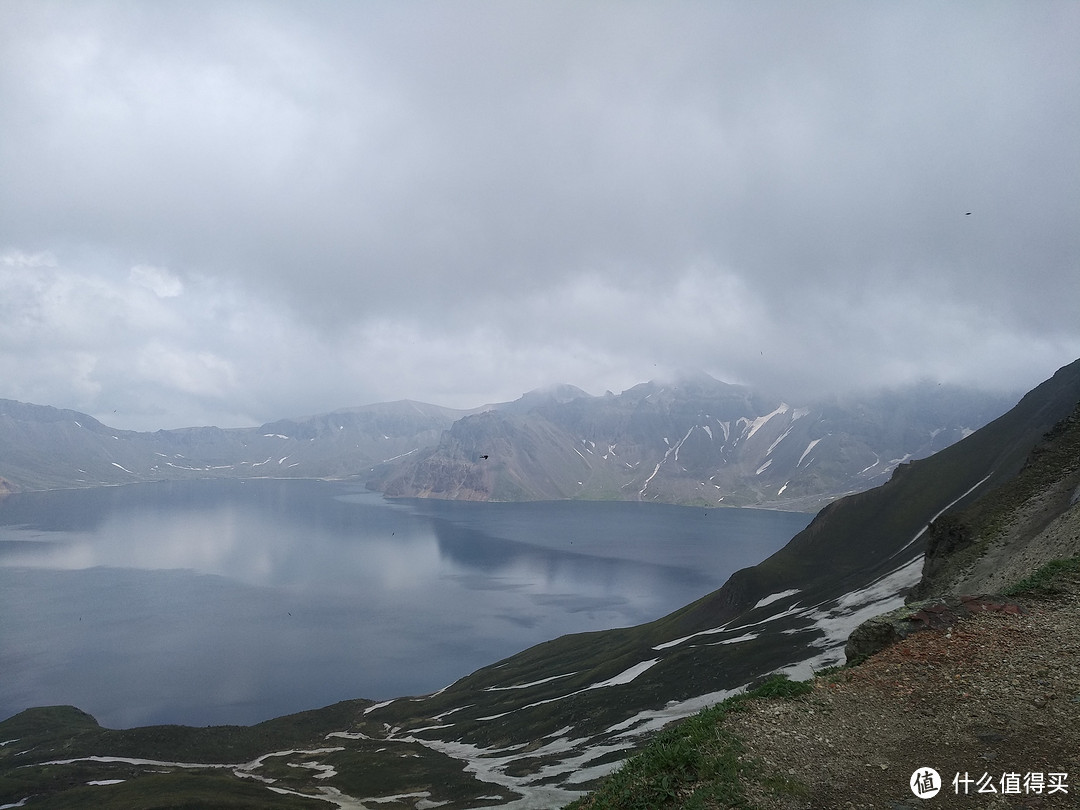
(234, 601)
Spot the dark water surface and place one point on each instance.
(204, 602)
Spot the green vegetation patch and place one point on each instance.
(405, 768)
(777, 686)
(175, 791)
(1051, 579)
(693, 764)
(65, 733)
(57, 732)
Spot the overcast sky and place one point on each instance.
(230, 212)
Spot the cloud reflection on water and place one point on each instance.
(229, 601)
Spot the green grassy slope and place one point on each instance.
(569, 704)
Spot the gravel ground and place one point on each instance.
(993, 695)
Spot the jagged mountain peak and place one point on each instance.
(556, 394)
(689, 439)
(684, 379)
(695, 440)
(693, 378)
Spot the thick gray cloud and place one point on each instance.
(233, 211)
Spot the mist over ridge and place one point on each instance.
(689, 440)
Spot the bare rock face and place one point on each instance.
(991, 544)
(885, 630)
(438, 477)
(695, 441)
(1009, 534)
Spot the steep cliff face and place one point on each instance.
(1026, 515)
(1010, 533)
(698, 441)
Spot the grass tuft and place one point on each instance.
(1048, 580)
(780, 686)
(693, 764)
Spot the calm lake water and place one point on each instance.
(207, 602)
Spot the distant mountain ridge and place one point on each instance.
(696, 441)
(693, 441)
(46, 448)
(539, 727)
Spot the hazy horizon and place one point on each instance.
(230, 212)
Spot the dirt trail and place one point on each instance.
(995, 695)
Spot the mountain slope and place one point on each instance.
(537, 728)
(697, 441)
(993, 693)
(988, 702)
(44, 448)
(578, 703)
(1005, 536)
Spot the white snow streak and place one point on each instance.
(782, 436)
(768, 600)
(851, 610)
(942, 511)
(138, 761)
(656, 469)
(667, 454)
(809, 447)
(761, 421)
(625, 676)
(528, 685)
(864, 469)
(736, 640)
(654, 719)
(683, 439)
(678, 641)
(489, 767)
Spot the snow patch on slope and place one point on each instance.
(849, 611)
(671, 449)
(768, 600)
(761, 421)
(809, 447)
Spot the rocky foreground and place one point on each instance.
(995, 698)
